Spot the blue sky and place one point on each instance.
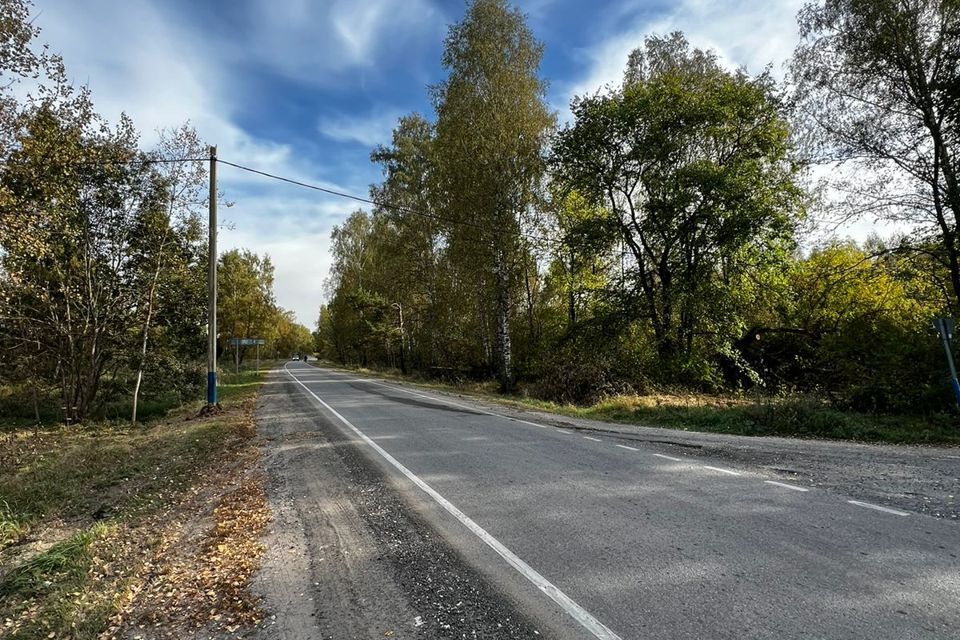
(306, 88)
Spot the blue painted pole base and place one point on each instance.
(956, 390)
(211, 387)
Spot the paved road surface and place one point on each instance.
(598, 539)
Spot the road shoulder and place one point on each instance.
(346, 556)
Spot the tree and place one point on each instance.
(83, 193)
(291, 337)
(415, 239)
(245, 303)
(492, 125)
(582, 257)
(692, 164)
(878, 83)
(19, 62)
(164, 238)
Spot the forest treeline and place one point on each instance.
(669, 234)
(103, 253)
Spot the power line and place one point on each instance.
(332, 192)
(385, 205)
(105, 163)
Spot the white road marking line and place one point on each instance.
(577, 612)
(660, 455)
(732, 473)
(594, 439)
(564, 431)
(532, 424)
(785, 485)
(623, 446)
(877, 507)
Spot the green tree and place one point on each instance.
(415, 235)
(491, 129)
(692, 163)
(84, 194)
(167, 241)
(856, 327)
(878, 82)
(246, 307)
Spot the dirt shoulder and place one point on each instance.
(346, 557)
(148, 531)
(920, 478)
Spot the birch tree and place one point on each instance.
(878, 83)
(492, 126)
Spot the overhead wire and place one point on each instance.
(378, 203)
(326, 190)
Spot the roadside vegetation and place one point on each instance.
(103, 254)
(111, 526)
(674, 233)
(122, 513)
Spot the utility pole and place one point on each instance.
(212, 285)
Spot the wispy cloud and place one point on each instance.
(319, 41)
(165, 75)
(369, 129)
(742, 32)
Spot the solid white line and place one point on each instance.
(660, 455)
(594, 439)
(564, 431)
(577, 612)
(785, 485)
(532, 424)
(877, 507)
(623, 446)
(733, 473)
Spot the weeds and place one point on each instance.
(109, 487)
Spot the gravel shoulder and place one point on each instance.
(346, 556)
(923, 479)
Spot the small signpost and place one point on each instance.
(945, 327)
(246, 342)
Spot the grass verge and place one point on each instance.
(94, 517)
(797, 417)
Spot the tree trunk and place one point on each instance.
(504, 355)
(146, 328)
(143, 346)
(572, 294)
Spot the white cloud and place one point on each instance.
(158, 75)
(742, 32)
(319, 41)
(161, 77)
(368, 129)
(297, 238)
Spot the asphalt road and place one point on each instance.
(594, 538)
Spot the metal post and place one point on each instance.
(212, 285)
(258, 358)
(945, 327)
